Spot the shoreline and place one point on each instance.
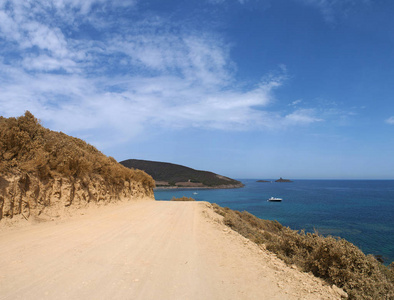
(219, 187)
(301, 209)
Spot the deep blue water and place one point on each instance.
(361, 211)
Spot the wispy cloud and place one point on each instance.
(331, 9)
(296, 102)
(81, 74)
(302, 116)
(390, 120)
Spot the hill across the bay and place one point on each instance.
(168, 175)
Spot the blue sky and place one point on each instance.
(247, 88)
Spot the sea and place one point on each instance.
(360, 211)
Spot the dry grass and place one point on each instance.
(183, 199)
(27, 147)
(335, 260)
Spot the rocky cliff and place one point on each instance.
(48, 173)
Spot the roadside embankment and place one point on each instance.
(45, 174)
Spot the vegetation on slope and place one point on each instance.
(336, 260)
(28, 147)
(183, 199)
(173, 173)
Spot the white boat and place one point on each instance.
(273, 199)
(195, 193)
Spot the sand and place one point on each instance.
(145, 250)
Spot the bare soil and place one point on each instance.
(145, 250)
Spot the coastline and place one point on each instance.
(219, 187)
(325, 205)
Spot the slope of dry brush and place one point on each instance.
(37, 164)
(336, 260)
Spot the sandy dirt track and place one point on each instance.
(145, 250)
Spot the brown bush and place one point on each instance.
(335, 260)
(27, 147)
(183, 199)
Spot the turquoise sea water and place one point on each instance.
(361, 211)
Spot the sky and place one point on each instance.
(300, 89)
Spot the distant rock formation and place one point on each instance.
(283, 180)
(43, 172)
(263, 181)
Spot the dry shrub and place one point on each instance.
(27, 147)
(183, 199)
(335, 260)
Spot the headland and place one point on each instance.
(173, 176)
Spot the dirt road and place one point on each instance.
(145, 250)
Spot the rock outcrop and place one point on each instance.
(29, 196)
(283, 180)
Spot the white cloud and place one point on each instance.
(390, 120)
(333, 8)
(203, 58)
(296, 102)
(47, 63)
(301, 117)
(113, 84)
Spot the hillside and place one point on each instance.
(335, 260)
(167, 175)
(43, 172)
